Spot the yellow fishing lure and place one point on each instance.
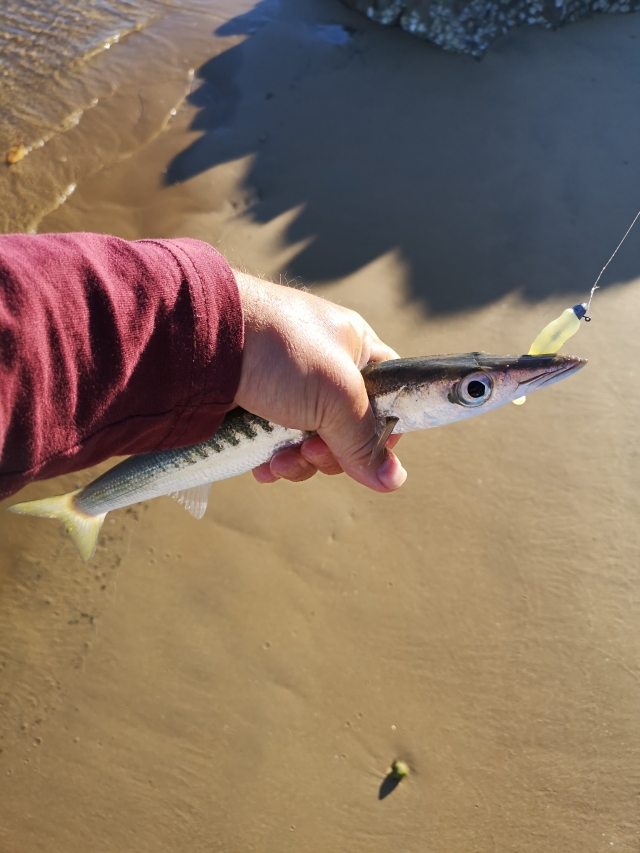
(556, 334)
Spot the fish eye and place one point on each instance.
(474, 390)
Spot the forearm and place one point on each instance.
(109, 347)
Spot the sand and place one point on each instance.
(245, 682)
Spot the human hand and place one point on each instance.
(301, 369)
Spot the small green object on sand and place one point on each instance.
(399, 769)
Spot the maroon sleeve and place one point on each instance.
(110, 347)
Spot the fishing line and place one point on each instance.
(558, 331)
(595, 286)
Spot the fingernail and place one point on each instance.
(391, 474)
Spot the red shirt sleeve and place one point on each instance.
(110, 347)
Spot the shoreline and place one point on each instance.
(121, 106)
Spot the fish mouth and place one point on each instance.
(542, 370)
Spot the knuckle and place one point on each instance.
(331, 470)
(300, 474)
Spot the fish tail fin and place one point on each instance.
(82, 528)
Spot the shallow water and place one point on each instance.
(45, 48)
(58, 62)
(52, 75)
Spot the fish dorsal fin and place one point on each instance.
(194, 500)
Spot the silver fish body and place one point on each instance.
(405, 395)
(242, 442)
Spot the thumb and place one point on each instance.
(349, 429)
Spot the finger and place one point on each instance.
(391, 473)
(348, 428)
(393, 440)
(263, 474)
(375, 350)
(315, 451)
(289, 464)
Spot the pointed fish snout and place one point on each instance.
(537, 371)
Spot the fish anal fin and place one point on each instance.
(82, 528)
(382, 439)
(194, 500)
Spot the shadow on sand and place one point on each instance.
(388, 786)
(519, 173)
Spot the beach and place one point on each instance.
(246, 681)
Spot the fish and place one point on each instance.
(405, 395)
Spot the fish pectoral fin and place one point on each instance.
(382, 439)
(194, 500)
(82, 528)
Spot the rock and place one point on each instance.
(16, 153)
(469, 26)
(399, 769)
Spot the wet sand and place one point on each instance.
(245, 682)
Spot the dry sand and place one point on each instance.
(244, 682)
